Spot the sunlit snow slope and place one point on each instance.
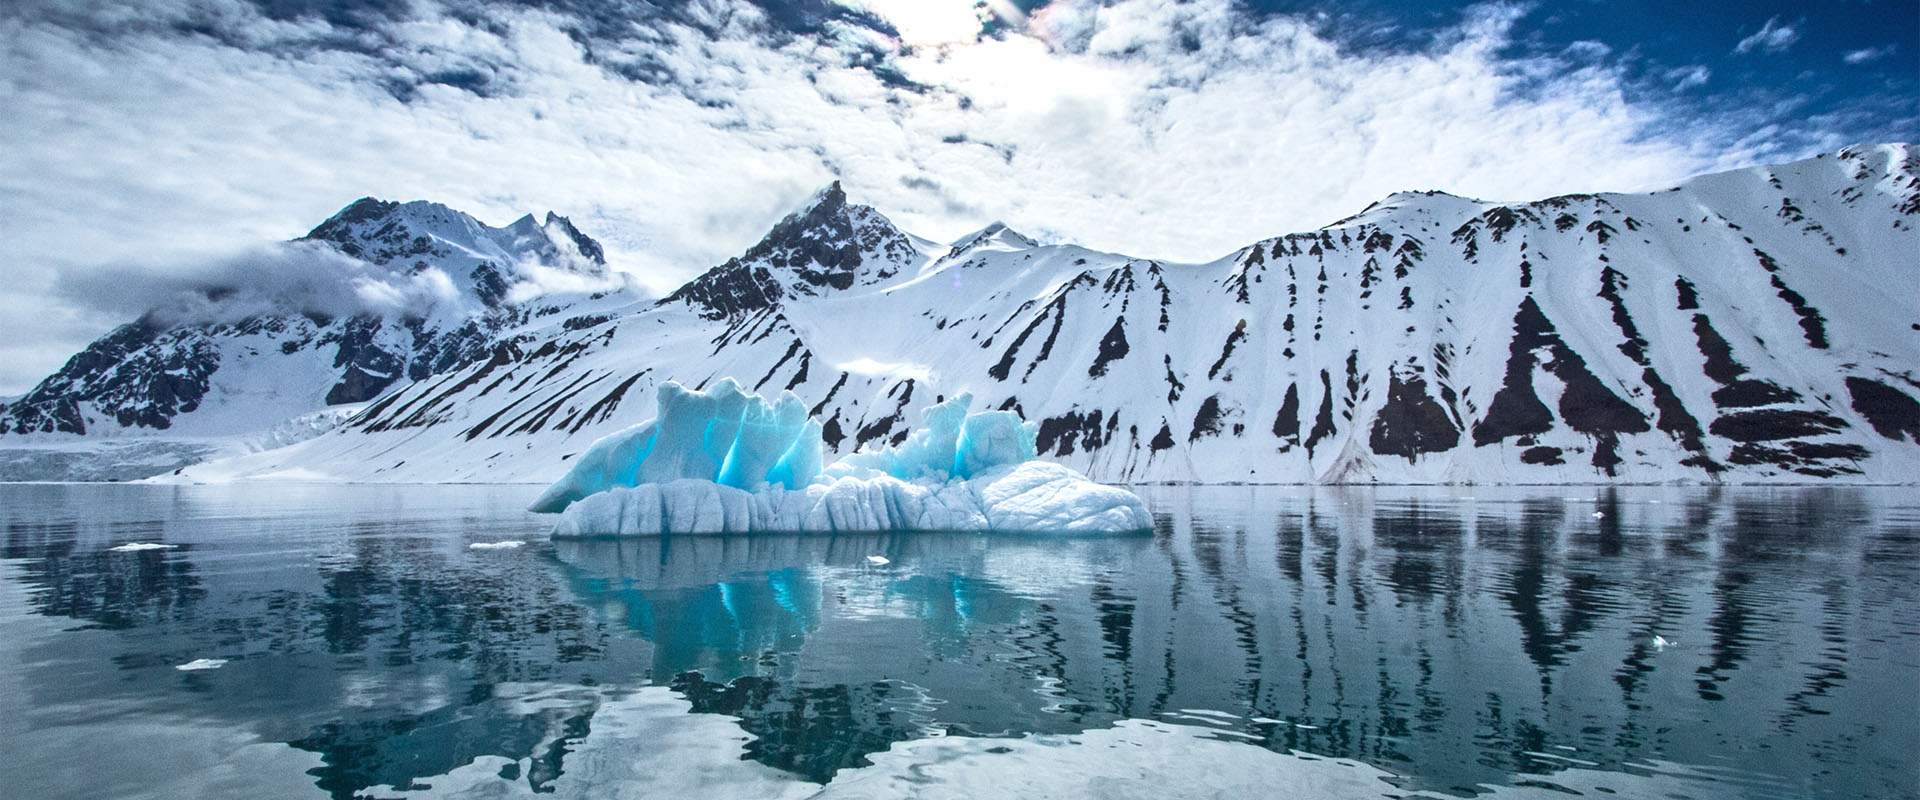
(1757, 325)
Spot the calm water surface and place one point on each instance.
(1385, 642)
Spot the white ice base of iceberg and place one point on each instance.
(1028, 497)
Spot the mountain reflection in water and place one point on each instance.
(1459, 638)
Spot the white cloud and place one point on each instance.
(1772, 37)
(1868, 55)
(1170, 130)
(535, 280)
(1687, 77)
(932, 22)
(276, 278)
(1589, 50)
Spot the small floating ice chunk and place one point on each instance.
(135, 547)
(1206, 718)
(1599, 514)
(1560, 758)
(1661, 642)
(199, 664)
(1208, 712)
(506, 545)
(878, 561)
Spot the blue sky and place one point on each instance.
(162, 136)
(1847, 66)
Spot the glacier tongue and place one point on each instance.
(724, 461)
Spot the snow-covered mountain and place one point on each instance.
(234, 376)
(278, 376)
(1755, 325)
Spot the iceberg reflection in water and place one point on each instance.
(1711, 643)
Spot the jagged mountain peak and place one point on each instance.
(358, 212)
(555, 243)
(366, 211)
(828, 244)
(382, 231)
(995, 236)
(1420, 195)
(1430, 201)
(830, 197)
(837, 235)
(482, 262)
(385, 232)
(589, 248)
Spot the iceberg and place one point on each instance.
(725, 461)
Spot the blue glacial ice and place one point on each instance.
(724, 461)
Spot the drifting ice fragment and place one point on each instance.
(506, 545)
(199, 664)
(723, 461)
(135, 547)
(878, 561)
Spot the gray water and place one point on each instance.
(1459, 641)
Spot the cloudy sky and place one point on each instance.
(155, 136)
